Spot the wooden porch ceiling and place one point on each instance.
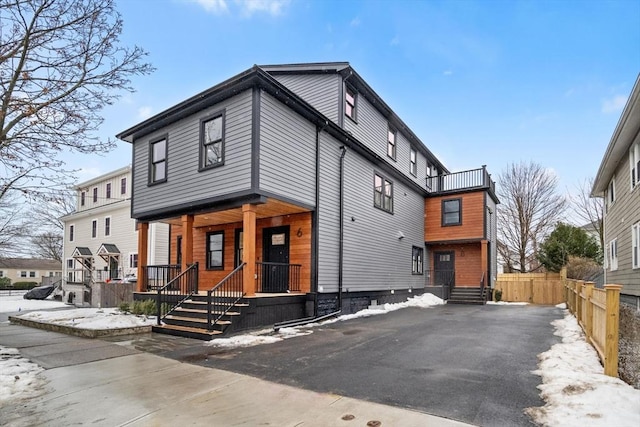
(271, 208)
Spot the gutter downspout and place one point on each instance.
(341, 245)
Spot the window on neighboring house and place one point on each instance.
(613, 254)
(611, 194)
(23, 274)
(351, 97)
(82, 196)
(391, 143)
(95, 195)
(451, 212)
(413, 167)
(212, 142)
(70, 263)
(417, 256)
(123, 186)
(634, 164)
(1, 273)
(108, 190)
(71, 231)
(635, 245)
(158, 165)
(133, 260)
(32, 274)
(215, 250)
(382, 193)
(94, 228)
(107, 226)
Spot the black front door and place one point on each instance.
(443, 265)
(275, 255)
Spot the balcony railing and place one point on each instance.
(175, 291)
(278, 277)
(476, 178)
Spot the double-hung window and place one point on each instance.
(108, 190)
(351, 97)
(413, 166)
(107, 226)
(635, 245)
(94, 228)
(452, 212)
(613, 254)
(215, 250)
(95, 195)
(391, 143)
(610, 197)
(382, 193)
(123, 186)
(158, 163)
(133, 260)
(417, 256)
(212, 142)
(72, 229)
(82, 197)
(634, 164)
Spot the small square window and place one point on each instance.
(32, 274)
(391, 143)
(23, 274)
(350, 103)
(382, 193)
(452, 212)
(212, 142)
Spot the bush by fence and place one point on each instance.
(20, 286)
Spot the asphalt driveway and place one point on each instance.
(467, 363)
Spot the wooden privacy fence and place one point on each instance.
(598, 313)
(534, 288)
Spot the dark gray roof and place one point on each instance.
(30, 263)
(108, 249)
(81, 251)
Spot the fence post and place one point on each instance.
(580, 306)
(611, 340)
(588, 293)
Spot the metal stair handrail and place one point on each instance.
(192, 269)
(229, 287)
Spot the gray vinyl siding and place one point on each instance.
(618, 221)
(287, 152)
(322, 92)
(375, 259)
(328, 214)
(185, 184)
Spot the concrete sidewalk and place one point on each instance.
(105, 384)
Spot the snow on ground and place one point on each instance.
(506, 303)
(575, 389)
(18, 377)
(91, 318)
(15, 303)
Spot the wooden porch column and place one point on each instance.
(249, 248)
(187, 244)
(484, 257)
(143, 244)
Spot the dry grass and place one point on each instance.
(629, 346)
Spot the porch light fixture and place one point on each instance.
(400, 235)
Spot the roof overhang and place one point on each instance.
(626, 132)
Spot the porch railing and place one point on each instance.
(475, 178)
(444, 278)
(278, 277)
(155, 277)
(176, 290)
(225, 295)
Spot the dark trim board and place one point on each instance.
(353, 302)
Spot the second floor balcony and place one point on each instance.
(461, 181)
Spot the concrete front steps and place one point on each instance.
(464, 295)
(190, 319)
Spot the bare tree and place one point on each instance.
(47, 245)
(47, 214)
(530, 208)
(13, 229)
(61, 62)
(589, 210)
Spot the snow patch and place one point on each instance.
(16, 303)
(19, 377)
(506, 303)
(91, 318)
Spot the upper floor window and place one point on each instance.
(634, 164)
(107, 226)
(158, 164)
(94, 228)
(452, 212)
(413, 166)
(635, 245)
(351, 97)
(123, 186)
(82, 197)
(391, 143)
(612, 191)
(382, 193)
(613, 254)
(212, 142)
(72, 229)
(215, 250)
(108, 190)
(95, 195)
(417, 256)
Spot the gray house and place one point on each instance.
(294, 191)
(618, 181)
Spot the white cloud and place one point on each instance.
(271, 7)
(395, 41)
(614, 105)
(355, 22)
(447, 73)
(144, 112)
(213, 6)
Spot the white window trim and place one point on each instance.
(105, 226)
(634, 166)
(613, 254)
(97, 228)
(635, 245)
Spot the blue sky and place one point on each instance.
(480, 82)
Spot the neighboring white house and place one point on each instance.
(100, 237)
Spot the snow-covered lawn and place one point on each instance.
(18, 377)
(15, 303)
(91, 318)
